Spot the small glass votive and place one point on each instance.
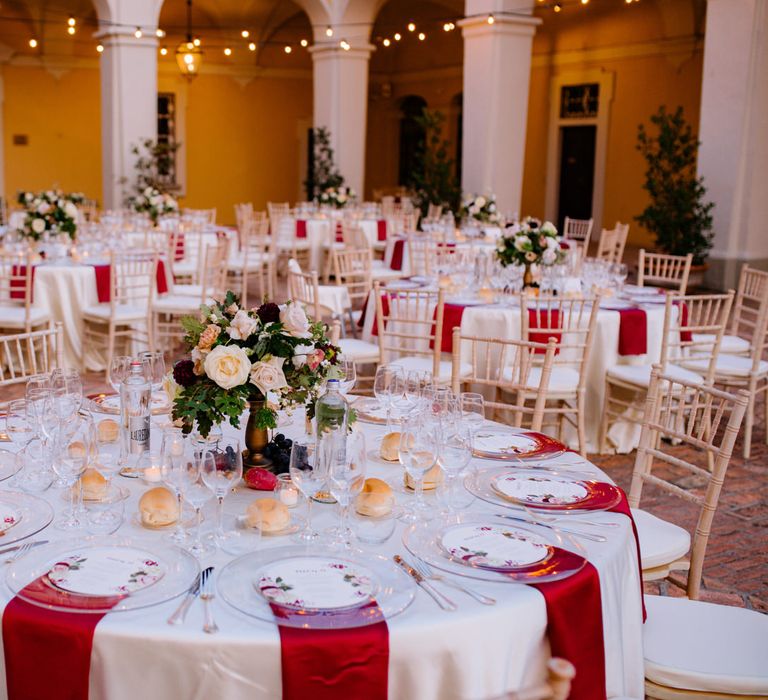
(374, 529)
(286, 491)
(149, 469)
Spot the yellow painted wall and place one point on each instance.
(61, 117)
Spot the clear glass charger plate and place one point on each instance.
(9, 464)
(34, 514)
(511, 444)
(596, 495)
(28, 577)
(394, 590)
(563, 558)
(370, 410)
(109, 403)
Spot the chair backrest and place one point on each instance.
(277, 210)
(570, 321)
(667, 270)
(132, 279)
(243, 214)
(434, 211)
(694, 325)
(504, 366)
(611, 245)
(409, 322)
(560, 674)
(203, 216)
(255, 241)
(213, 274)
(16, 277)
(577, 229)
(698, 416)
(23, 355)
(750, 302)
(304, 288)
(352, 269)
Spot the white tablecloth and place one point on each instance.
(475, 653)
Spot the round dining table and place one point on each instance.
(476, 652)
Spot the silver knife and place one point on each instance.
(556, 528)
(15, 547)
(181, 612)
(442, 600)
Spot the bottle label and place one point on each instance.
(138, 434)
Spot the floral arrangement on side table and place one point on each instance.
(481, 209)
(52, 210)
(239, 356)
(336, 197)
(154, 202)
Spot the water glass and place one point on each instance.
(388, 386)
(309, 474)
(221, 469)
(17, 424)
(375, 530)
(472, 409)
(73, 446)
(105, 515)
(346, 477)
(153, 365)
(175, 450)
(67, 388)
(118, 370)
(419, 442)
(454, 457)
(348, 372)
(197, 494)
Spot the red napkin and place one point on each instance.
(542, 319)
(452, 314)
(102, 281)
(339, 233)
(385, 309)
(396, 263)
(633, 332)
(575, 626)
(329, 664)
(301, 228)
(61, 641)
(18, 287)
(564, 245)
(381, 230)
(685, 335)
(178, 254)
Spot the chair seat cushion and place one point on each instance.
(14, 316)
(730, 344)
(562, 380)
(359, 350)
(256, 261)
(705, 647)
(641, 374)
(123, 313)
(424, 364)
(661, 542)
(737, 366)
(176, 303)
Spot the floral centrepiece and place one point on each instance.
(337, 197)
(481, 209)
(529, 243)
(155, 203)
(49, 211)
(238, 356)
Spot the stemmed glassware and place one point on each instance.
(472, 409)
(173, 447)
(348, 375)
(419, 442)
(153, 363)
(67, 390)
(118, 371)
(388, 386)
(73, 447)
(220, 474)
(309, 473)
(17, 424)
(197, 493)
(454, 456)
(346, 477)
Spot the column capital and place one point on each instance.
(517, 25)
(125, 36)
(331, 50)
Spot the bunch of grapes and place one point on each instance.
(278, 451)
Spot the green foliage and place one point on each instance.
(208, 404)
(434, 180)
(154, 166)
(325, 174)
(678, 215)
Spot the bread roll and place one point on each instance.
(158, 507)
(76, 449)
(108, 430)
(390, 447)
(94, 485)
(431, 479)
(268, 514)
(375, 499)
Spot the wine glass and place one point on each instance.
(119, 369)
(348, 372)
(220, 475)
(346, 477)
(197, 494)
(67, 388)
(38, 381)
(472, 409)
(454, 456)
(173, 445)
(41, 413)
(153, 364)
(17, 423)
(388, 385)
(309, 474)
(107, 453)
(73, 448)
(419, 443)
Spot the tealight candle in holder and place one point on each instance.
(287, 491)
(149, 468)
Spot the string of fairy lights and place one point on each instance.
(387, 36)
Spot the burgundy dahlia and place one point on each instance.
(183, 373)
(268, 313)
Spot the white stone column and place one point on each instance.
(733, 130)
(497, 68)
(341, 105)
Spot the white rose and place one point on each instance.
(295, 320)
(228, 366)
(43, 208)
(341, 198)
(38, 225)
(156, 200)
(148, 191)
(480, 201)
(549, 228)
(242, 325)
(474, 209)
(548, 256)
(70, 210)
(552, 243)
(268, 376)
(301, 352)
(521, 242)
(491, 207)
(28, 197)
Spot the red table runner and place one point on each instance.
(48, 653)
(623, 507)
(633, 332)
(328, 664)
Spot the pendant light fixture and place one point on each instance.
(189, 55)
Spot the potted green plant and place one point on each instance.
(678, 214)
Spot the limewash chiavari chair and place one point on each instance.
(204, 216)
(352, 269)
(285, 243)
(305, 288)
(610, 246)
(560, 674)
(17, 311)
(690, 343)
(126, 316)
(23, 355)
(243, 214)
(504, 366)
(277, 210)
(665, 270)
(692, 649)
(360, 352)
(577, 230)
(434, 211)
(572, 322)
(253, 258)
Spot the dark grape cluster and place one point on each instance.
(278, 451)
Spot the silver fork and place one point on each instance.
(20, 552)
(207, 595)
(428, 572)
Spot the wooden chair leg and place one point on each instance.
(110, 345)
(749, 419)
(602, 443)
(581, 428)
